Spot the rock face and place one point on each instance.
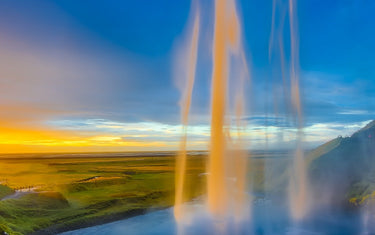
(344, 168)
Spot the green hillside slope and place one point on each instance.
(342, 170)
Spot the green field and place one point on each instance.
(47, 194)
(71, 191)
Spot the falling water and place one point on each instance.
(227, 159)
(298, 185)
(216, 188)
(226, 42)
(240, 154)
(185, 108)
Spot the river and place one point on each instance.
(268, 218)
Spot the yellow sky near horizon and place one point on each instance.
(99, 135)
(30, 137)
(38, 141)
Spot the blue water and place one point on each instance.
(266, 219)
(158, 222)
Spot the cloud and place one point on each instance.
(86, 82)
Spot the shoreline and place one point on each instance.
(114, 217)
(105, 219)
(99, 220)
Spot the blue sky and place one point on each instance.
(79, 65)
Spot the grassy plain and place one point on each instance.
(72, 191)
(69, 191)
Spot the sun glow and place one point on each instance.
(14, 140)
(96, 135)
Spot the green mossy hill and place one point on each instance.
(92, 183)
(5, 191)
(344, 168)
(44, 200)
(323, 149)
(30, 212)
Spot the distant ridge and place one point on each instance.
(343, 169)
(368, 126)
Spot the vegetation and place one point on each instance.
(53, 193)
(5, 191)
(63, 193)
(344, 168)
